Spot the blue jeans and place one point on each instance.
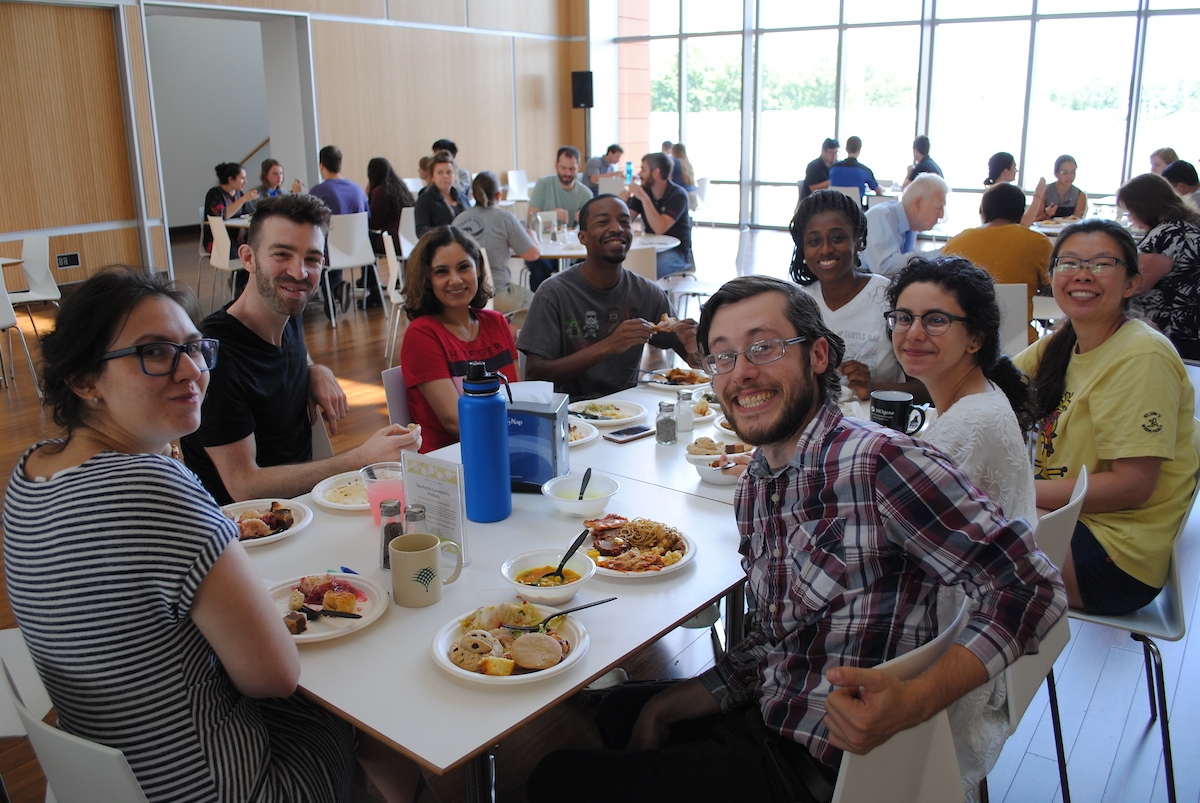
(672, 261)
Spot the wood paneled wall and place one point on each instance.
(62, 124)
(96, 249)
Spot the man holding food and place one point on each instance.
(848, 531)
(586, 326)
(255, 435)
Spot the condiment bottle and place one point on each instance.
(414, 519)
(391, 526)
(483, 431)
(685, 411)
(666, 425)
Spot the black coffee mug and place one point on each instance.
(894, 409)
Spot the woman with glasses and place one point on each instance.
(150, 627)
(1111, 395)
(1063, 198)
(830, 231)
(1170, 259)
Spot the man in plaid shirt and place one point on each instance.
(848, 531)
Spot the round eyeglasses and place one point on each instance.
(161, 359)
(934, 323)
(1100, 266)
(760, 352)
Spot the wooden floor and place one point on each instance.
(1114, 754)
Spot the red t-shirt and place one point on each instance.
(430, 352)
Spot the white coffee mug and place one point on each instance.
(416, 569)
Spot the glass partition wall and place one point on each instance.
(753, 87)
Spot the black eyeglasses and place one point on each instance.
(1099, 266)
(161, 359)
(760, 352)
(934, 323)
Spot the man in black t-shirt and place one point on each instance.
(664, 207)
(255, 437)
(816, 175)
(921, 161)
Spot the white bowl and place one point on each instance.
(715, 476)
(537, 558)
(700, 459)
(600, 489)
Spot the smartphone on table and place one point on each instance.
(629, 434)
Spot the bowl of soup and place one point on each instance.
(564, 492)
(525, 573)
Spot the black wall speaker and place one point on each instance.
(581, 90)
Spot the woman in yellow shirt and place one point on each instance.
(1112, 395)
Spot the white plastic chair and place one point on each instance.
(414, 185)
(349, 246)
(643, 261)
(853, 193)
(397, 396)
(35, 264)
(701, 193)
(1163, 619)
(487, 272)
(395, 319)
(918, 765)
(408, 231)
(8, 322)
(218, 258)
(1014, 317)
(518, 186)
(322, 448)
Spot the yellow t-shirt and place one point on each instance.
(1012, 254)
(1130, 397)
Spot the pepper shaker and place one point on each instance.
(391, 526)
(666, 426)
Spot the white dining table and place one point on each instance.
(569, 247)
(382, 678)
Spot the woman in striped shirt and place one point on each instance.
(146, 620)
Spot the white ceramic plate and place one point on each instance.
(588, 432)
(323, 487)
(569, 628)
(301, 516)
(723, 433)
(659, 382)
(630, 412)
(674, 567)
(329, 627)
(704, 419)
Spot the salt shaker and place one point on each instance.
(414, 519)
(666, 426)
(391, 526)
(685, 411)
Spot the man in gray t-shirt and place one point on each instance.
(601, 166)
(587, 325)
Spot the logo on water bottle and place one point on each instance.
(425, 577)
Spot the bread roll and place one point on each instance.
(536, 651)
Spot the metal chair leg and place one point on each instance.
(1160, 684)
(481, 779)
(1052, 688)
(1149, 676)
(329, 300)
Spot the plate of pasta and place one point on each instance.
(615, 413)
(637, 547)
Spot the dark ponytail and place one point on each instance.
(975, 291)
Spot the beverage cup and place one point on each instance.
(383, 481)
(894, 409)
(417, 571)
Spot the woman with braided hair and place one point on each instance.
(830, 231)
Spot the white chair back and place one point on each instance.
(414, 185)
(744, 261)
(643, 261)
(25, 680)
(918, 765)
(35, 256)
(1053, 532)
(392, 266)
(487, 272)
(219, 256)
(8, 323)
(610, 184)
(518, 186)
(349, 242)
(322, 447)
(397, 396)
(853, 193)
(78, 770)
(408, 231)
(1014, 317)
(702, 191)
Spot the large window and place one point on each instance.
(977, 78)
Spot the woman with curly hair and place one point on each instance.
(1170, 259)
(445, 291)
(830, 231)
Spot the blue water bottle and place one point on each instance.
(483, 430)
(629, 172)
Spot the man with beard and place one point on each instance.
(587, 325)
(255, 437)
(848, 531)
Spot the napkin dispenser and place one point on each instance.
(538, 441)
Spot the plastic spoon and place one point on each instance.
(567, 556)
(587, 477)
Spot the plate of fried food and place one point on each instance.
(624, 547)
(478, 647)
(676, 378)
(319, 607)
(263, 521)
(343, 491)
(615, 413)
(703, 451)
(582, 432)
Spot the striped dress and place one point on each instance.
(103, 564)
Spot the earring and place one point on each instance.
(95, 401)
